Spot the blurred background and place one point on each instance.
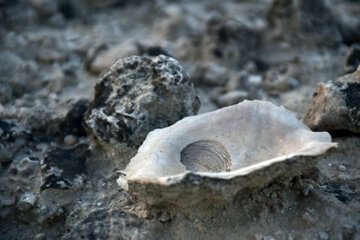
(278, 50)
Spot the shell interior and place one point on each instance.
(206, 156)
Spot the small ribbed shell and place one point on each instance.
(206, 156)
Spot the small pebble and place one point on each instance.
(70, 140)
(342, 168)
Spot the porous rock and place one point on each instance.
(139, 94)
(19, 183)
(336, 105)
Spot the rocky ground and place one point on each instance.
(60, 149)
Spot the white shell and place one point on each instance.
(265, 142)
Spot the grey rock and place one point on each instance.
(139, 94)
(63, 168)
(336, 105)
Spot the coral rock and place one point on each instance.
(139, 94)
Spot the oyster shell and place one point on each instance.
(256, 141)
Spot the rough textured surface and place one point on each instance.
(139, 94)
(336, 105)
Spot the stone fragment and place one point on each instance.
(61, 168)
(336, 105)
(139, 94)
